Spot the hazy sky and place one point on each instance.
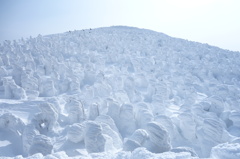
(216, 22)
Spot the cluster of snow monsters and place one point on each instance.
(119, 88)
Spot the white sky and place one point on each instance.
(216, 22)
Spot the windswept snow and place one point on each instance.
(118, 92)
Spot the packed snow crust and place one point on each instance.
(118, 92)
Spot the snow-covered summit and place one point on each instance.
(118, 92)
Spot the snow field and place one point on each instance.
(118, 92)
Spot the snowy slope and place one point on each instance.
(118, 92)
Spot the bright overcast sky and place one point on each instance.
(216, 22)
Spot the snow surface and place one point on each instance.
(118, 92)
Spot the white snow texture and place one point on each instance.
(118, 93)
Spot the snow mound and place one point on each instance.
(41, 144)
(47, 119)
(10, 122)
(226, 150)
(12, 90)
(159, 140)
(94, 140)
(138, 138)
(76, 132)
(75, 111)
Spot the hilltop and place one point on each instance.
(118, 92)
